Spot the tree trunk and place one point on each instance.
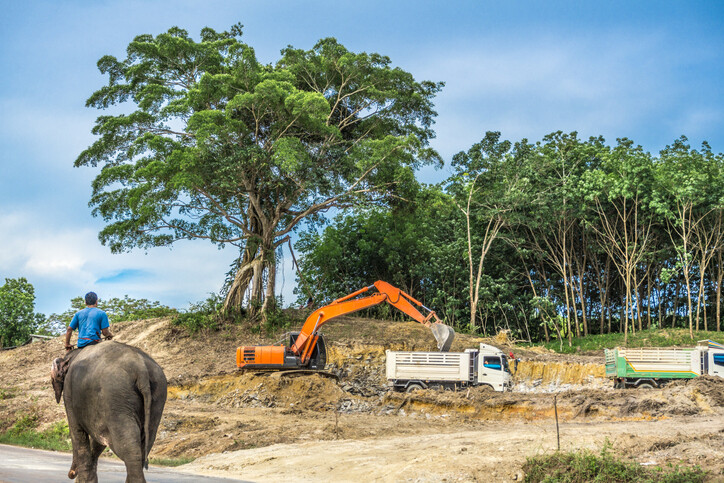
(688, 302)
(572, 287)
(719, 275)
(242, 278)
(603, 294)
(269, 298)
(648, 297)
(661, 296)
(581, 268)
(675, 313)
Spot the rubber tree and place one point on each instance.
(620, 193)
(485, 186)
(212, 144)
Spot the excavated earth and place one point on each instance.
(261, 427)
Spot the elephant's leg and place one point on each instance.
(81, 466)
(126, 444)
(96, 449)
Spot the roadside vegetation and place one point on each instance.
(646, 338)
(586, 467)
(24, 432)
(170, 461)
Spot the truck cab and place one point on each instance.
(492, 368)
(713, 358)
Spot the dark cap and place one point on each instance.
(91, 298)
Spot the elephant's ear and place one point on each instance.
(57, 376)
(58, 389)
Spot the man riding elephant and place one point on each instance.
(114, 395)
(91, 322)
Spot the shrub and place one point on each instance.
(585, 466)
(204, 315)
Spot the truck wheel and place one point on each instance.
(645, 385)
(413, 387)
(487, 388)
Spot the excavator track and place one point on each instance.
(303, 372)
(279, 374)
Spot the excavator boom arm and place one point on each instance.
(348, 304)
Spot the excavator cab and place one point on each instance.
(318, 357)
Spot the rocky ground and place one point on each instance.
(312, 428)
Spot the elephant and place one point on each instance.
(114, 396)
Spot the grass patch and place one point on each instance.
(6, 394)
(644, 338)
(24, 433)
(170, 461)
(586, 466)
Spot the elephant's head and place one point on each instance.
(57, 376)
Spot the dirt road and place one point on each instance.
(492, 453)
(21, 465)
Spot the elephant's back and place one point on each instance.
(106, 375)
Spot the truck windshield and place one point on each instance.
(492, 362)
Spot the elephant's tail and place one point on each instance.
(144, 387)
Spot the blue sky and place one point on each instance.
(647, 70)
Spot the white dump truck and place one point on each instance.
(486, 366)
(649, 368)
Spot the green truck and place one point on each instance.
(651, 367)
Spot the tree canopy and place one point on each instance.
(17, 312)
(577, 237)
(213, 144)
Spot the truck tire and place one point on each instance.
(413, 387)
(645, 385)
(487, 388)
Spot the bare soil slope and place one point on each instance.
(307, 428)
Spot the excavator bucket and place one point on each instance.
(444, 335)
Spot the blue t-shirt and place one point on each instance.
(89, 323)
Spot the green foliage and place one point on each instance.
(654, 337)
(127, 308)
(280, 320)
(201, 316)
(24, 433)
(413, 246)
(17, 317)
(118, 310)
(585, 466)
(590, 240)
(6, 394)
(221, 147)
(172, 462)
(26, 422)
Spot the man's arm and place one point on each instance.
(68, 333)
(107, 333)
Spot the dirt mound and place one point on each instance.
(213, 408)
(312, 392)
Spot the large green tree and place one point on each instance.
(212, 144)
(17, 317)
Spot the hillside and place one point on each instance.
(261, 426)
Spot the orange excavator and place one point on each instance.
(306, 348)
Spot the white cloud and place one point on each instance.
(63, 263)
